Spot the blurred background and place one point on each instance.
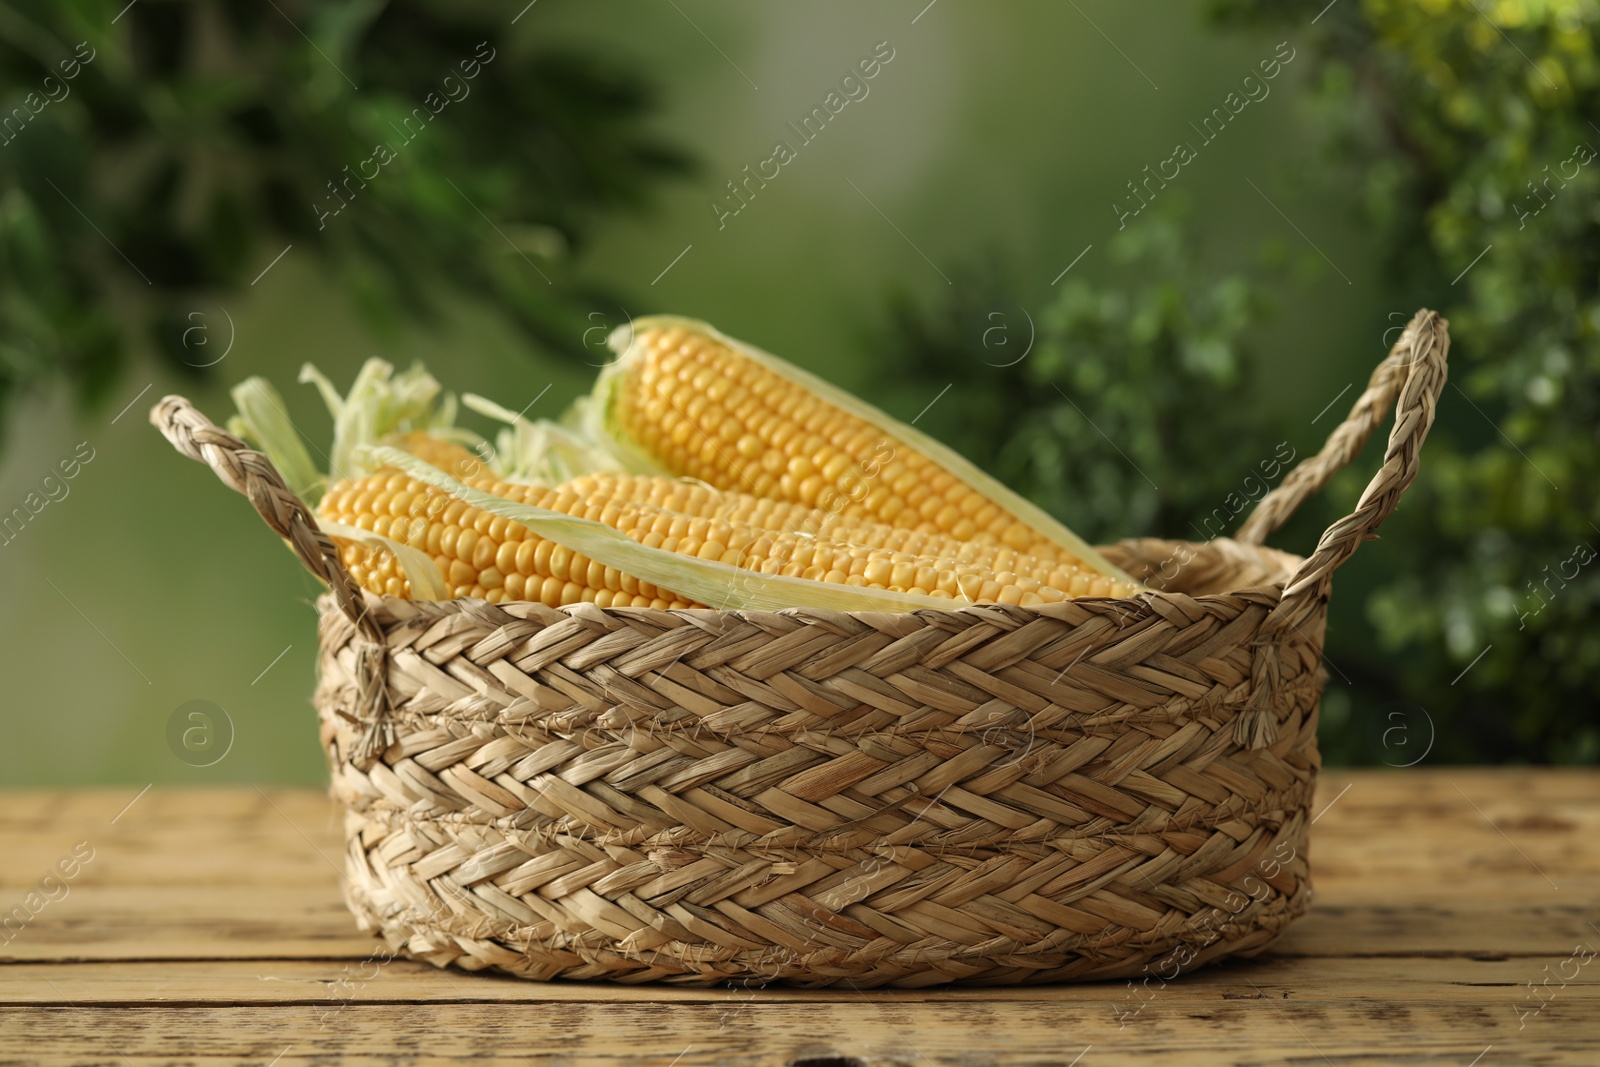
(1123, 263)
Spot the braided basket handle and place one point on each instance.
(1410, 380)
(247, 471)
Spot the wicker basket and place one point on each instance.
(1090, 789)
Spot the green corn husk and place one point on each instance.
(538, 451)
(262, 421)
(709, 582)
(380, 406)
(602, 423)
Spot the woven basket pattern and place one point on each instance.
(985, 795)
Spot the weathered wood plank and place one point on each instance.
(246, 922)
(208, 928)
(1251, 1028)
(1495, 983)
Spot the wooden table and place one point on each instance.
(1457, 913)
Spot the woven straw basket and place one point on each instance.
(994, 794)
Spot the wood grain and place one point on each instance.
(208, 928)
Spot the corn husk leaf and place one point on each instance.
(599, 417)
(263, 422)
(709, 582)
(420, 570)
(603, 423)
(540, 451)
(381, 406)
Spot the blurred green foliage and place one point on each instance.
(1484, 144)
(157, 155)
(1469, 131)
(1089, 409)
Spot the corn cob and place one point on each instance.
(700, 501)
(728, 530)
(479, 554)
(488, 556)
(684, 400)
(710, 582)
